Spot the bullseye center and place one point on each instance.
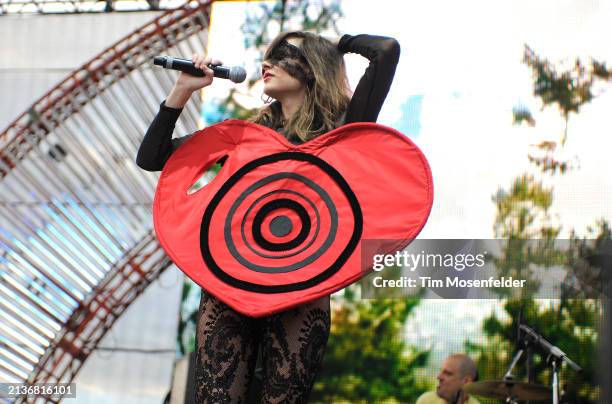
(280, 226)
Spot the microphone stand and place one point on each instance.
(522, 348)
(509, 377)
(555, 380)
(529, 364)
(517, 356)
(531, 338)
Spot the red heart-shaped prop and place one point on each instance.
(282, 224)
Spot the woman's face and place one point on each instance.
(278, 83)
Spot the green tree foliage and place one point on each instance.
(523, 210)
(524, 221)
(589, 257)
(188, 317)
(569, 322)
(568, 89)
(367, 360)
(306, 15)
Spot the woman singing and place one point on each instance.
(305, 76)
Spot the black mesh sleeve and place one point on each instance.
(383, 54)
(158, 145)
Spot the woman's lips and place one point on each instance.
(267, 76)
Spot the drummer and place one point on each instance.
(457, 371)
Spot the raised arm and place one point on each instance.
(383, 54)
(158, 145)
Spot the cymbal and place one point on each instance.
(501, 389)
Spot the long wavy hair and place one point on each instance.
(326, 98)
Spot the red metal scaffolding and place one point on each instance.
(76, 234)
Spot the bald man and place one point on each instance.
(457, 371)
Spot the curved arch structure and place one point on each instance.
(8, 7)
(76, 235)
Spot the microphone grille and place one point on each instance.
(237, 74)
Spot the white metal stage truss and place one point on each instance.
(76, 239)
(8, 7)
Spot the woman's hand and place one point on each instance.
(186, 84)
(194, 83)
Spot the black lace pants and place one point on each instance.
(291, 345)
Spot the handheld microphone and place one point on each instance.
(236, 74)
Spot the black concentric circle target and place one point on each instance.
(270, 207)
(342, 257)
(297, 265)
(289, 254)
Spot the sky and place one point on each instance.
(459, 77)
